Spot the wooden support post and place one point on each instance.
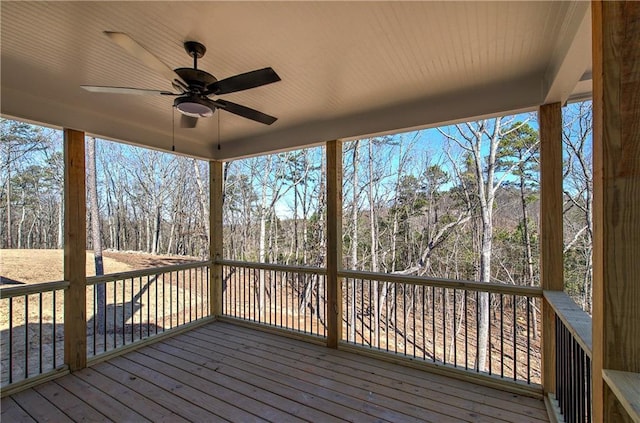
(616, 201)
(215, 237)
(334, 242)
(551, 242)
(75, 255)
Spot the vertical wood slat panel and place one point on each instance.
(616, 164)
(551, 232)
(75, 238)
(215, 237)
(334, 242)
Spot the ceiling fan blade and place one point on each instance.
(124, 90)
(142, 54)
(245, 112)
(244, 81)
(188, 121)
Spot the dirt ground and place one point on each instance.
(135, 308)
(34, 266)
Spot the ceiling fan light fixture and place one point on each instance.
(194, 106)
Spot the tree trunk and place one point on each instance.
(156, 231)
(60, 242)
(527, 251)
(374, 251)
(96, 239)
(202, 200)
(9, 235)
(354, 239)
(22, 219)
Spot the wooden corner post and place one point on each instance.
(334, 242)
(551, 234)
(616, 198)
(75, 255)
(215, 237)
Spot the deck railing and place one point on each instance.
(438, 321)
(32, 331)
(124, 308)
(573, 348)
(286, 297)
(425, 319)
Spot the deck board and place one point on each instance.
(12, 412)
(71, 405)
(394, 392)
(401, 385)
(100, 400)
(224, 372)
(39, 408)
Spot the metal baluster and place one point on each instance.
(10, 339)
(40, 333)
(95, 317)
(588, 393)
(133, 320)
(140, 321)
(501, 336)
(455, 332)
(413, 303)
(371, 312)
(282, 303)
(184, 299)
(424, 336)
(386, 315)
(104, 313)
(404, 316)
(490, 343)
(444, 327)
(528, 340)
(433, 323)
(580, 382)
(26, 336)
(53, 328)
(466, 330)
(157, 284)
(149, 303)
(515, 339)
(477, 331)
(115, 317)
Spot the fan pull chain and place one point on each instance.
(173, 128)
(218, 129)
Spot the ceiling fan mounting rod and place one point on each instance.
(195, 50)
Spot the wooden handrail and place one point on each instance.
(36, 288)
(273, 266)
(574, 318)
(626, 388)
(528, 291)
(92, 280)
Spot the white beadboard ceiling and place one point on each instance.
(348, 69)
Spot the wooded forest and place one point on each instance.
(458, 202)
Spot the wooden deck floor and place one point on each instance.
(222, 372)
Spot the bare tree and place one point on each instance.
(471, 138)
(96, 234)
(578, 210)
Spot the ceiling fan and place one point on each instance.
(194, 85)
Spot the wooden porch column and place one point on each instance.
(551, 240)
(616, 205)
(215, 237)
(334, 242)
(75, 256)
